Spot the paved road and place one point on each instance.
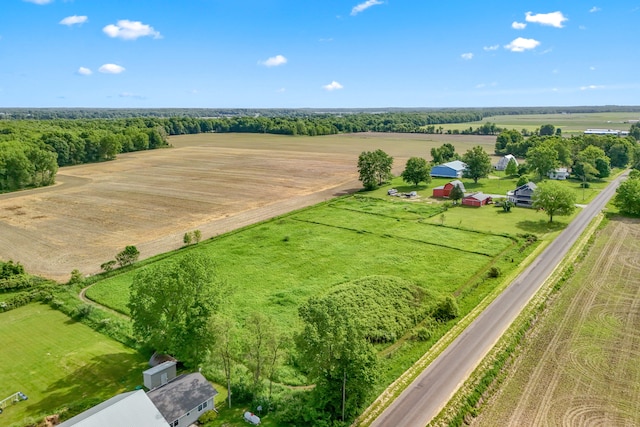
(430, 392)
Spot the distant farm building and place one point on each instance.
(445, 190)
(523, 195)
(504, 161)
(476, 199)
(560, 174)
(616, 132)
(452, 169)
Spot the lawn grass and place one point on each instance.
(56, 361)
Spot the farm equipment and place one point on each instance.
(14, 398)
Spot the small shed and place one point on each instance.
(476, 199)
(445, 190)
(452, 169)
(159, 375)
(504, 161)
(559, 173)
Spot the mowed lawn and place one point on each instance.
(274, 267)
(56, 361)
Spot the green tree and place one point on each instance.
(224, 346)
(171, 304)
(445, 153)
(596, 157)
(554, 198)
(512, 168)
(542, 159)
(547, 130)
(508, 139)
(374, 168)
(634, 131)
(627, 197)
(128, 256)
(478, 163)
(416, 171)
(337, 357)
(456, 193)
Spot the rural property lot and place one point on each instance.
(582, 365)
(211, 182)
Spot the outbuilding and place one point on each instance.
(504, 161)
(476, 199)
(559, 174)
(445, 190)
(159, 375)
(452, 169)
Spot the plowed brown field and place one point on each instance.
(212, 182)
(582, 366)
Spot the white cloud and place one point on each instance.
(521, 44)
(111, 69)
(39, 1)
(494, 47)
(364, 6)
(595, 9)
(591, 87)
(467, 56)
(334, 85)
(592, 68)
(73, 20)
(553, 19)
(518, 25)
(327, 40)
(274, 61)
(281, 90)
(130, 95)
(130, 30)
(83, 71)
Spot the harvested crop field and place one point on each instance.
(581, 367)
(211, 182)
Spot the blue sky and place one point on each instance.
(324, 54)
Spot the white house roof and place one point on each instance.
(181, 395)
(456, 165)
(133, 408)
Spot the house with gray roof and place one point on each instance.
(133, 408)
(182, 400)
(523, 195)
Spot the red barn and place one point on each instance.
(445, 190)
(476, 199)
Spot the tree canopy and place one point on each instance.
(171, 304)
(374, 168)
(416, 171)
(627, 197)
(478, 163)
(542, 159)
(337, 356)
(554, 198)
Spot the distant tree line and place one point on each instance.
(120, 113)
(31, 151)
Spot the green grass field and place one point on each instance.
(56, 361)
(276, 266)
(573, 123)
